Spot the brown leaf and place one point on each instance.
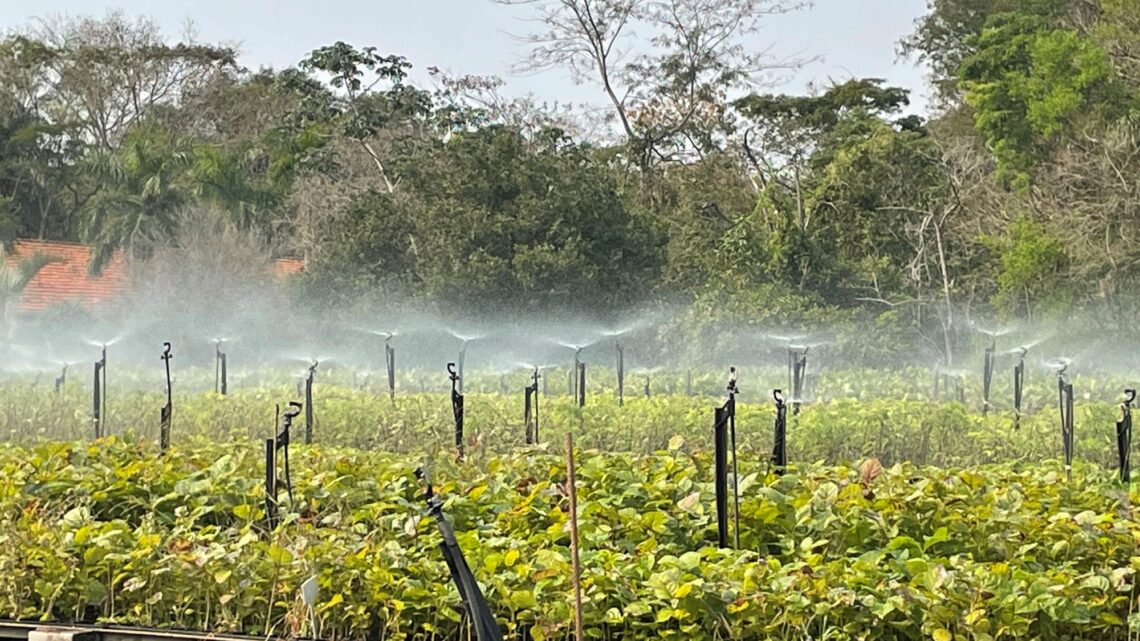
(870, 470)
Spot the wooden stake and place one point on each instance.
(577, 567)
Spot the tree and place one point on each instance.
(671, 99)
(1030, 85)
(376, 98)
(142, 188)
(106, 75)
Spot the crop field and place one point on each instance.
(902, 515)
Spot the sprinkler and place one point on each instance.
(99, 395)
(459, 369)
(1124, 436)
(780, 449)
(1065, 404)
(530, 409)
(456, 408)
(1018, 386)
(220, 385)
(272, 447)
(478, 611)
(390, 363)
(309, 402)
(464, 340)
(724, 435)
(988, 374)
(61, 380)
(620, 373)
(688, 382)
(647, 386)
(581, 385)
(168, 409)
(797, 367)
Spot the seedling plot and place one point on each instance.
(99, 394)
(780, 447)
(168, 409)
(1065, 405)
(621, 374)
(482, 621)
(273, 446)
(724, 435)
(312, 374)
(1124, 436)
(456, 408)
(530, 409)
(220, 379)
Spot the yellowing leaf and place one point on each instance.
(942, 634)
(510, 557)
(676, 443)
(690, 502)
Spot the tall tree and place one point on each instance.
(669, 98)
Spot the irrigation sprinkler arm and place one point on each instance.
(1129, 397)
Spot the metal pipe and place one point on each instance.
(780, 447)
(167, 410)
(1124, 436)
(456, 408)
(309, 403)
(988, 375)
(620, 374)
(1018, 386)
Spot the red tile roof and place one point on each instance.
(66, 280)
(283, 267)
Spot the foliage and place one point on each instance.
(985, 553)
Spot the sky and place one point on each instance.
(851, 38)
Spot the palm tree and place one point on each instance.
(143, 188)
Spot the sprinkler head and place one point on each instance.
(1129, 396)
(452, 372)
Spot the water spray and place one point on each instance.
(780, 447)
(1124, 436)
(168, 409)
(620, 373)
(530, 409)
(724, 435)
(309, 402)
(279, 443)
(456, 408)
(220, 379)
(99, 395)
(478, 611)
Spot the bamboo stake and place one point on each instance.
(577, 567)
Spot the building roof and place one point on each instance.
(66, 280)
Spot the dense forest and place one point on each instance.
(1017, 197)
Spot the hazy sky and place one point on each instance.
(853, 37)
